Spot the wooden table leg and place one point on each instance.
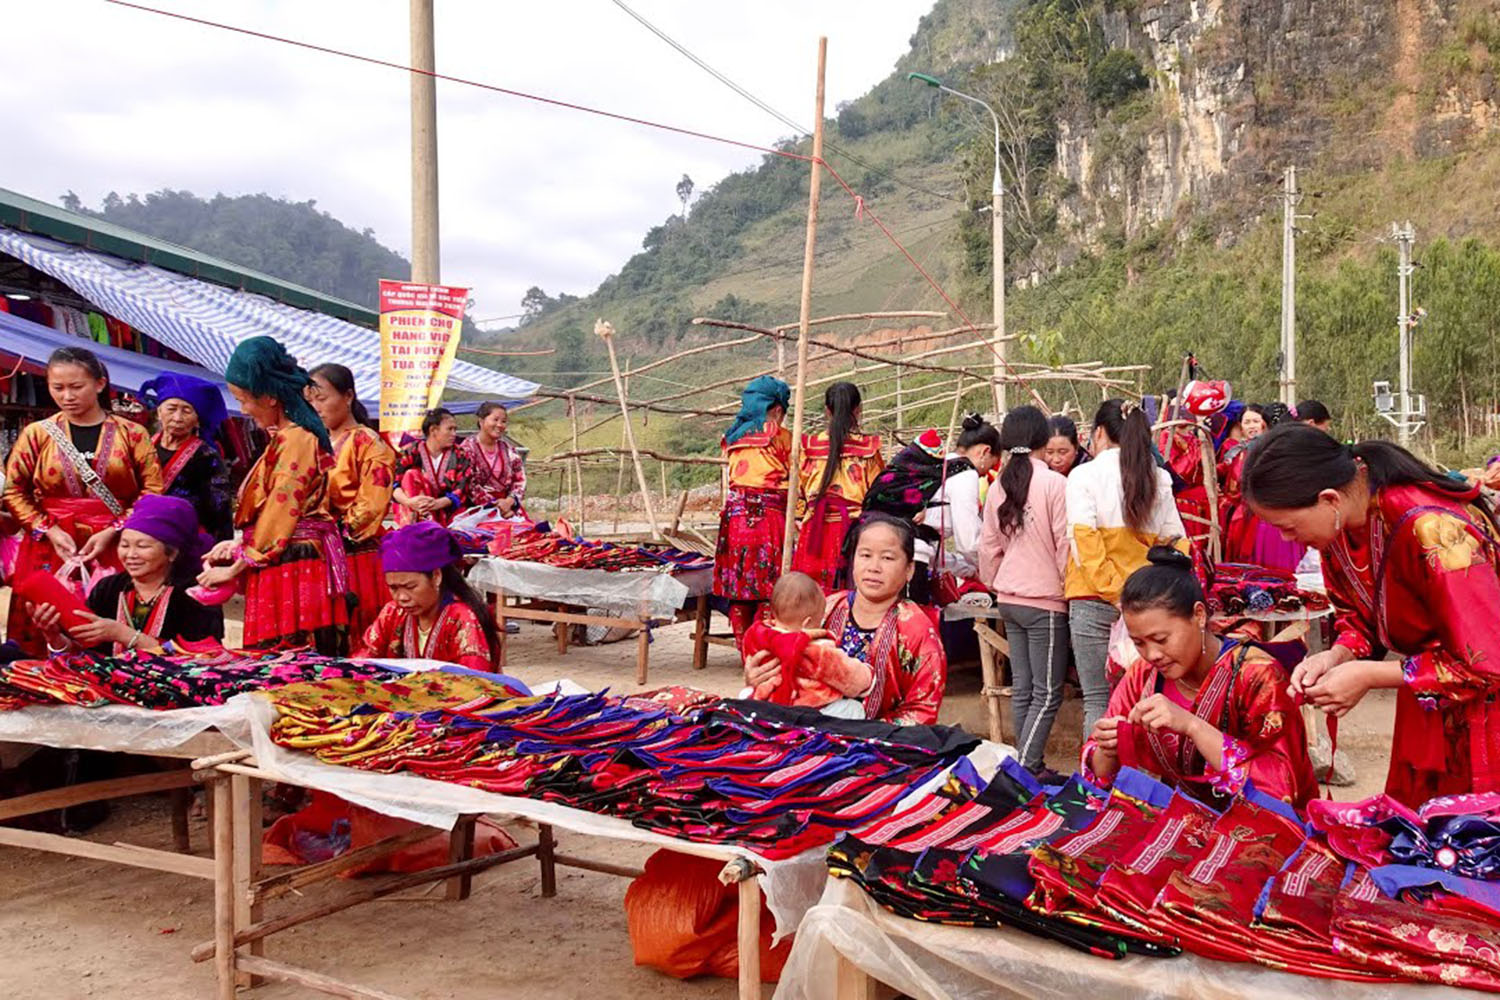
(851, 982)
(498, 597)
(224, 897)
(246, 795)
(990, 681)
(700, 634)
(182, 805)
(461, 848)
(642, 653)
(749, 939)
(546, 847)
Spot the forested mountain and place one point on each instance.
(290, 240)
(1143, 148)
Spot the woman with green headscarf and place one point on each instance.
(290, 554)
(759, 452)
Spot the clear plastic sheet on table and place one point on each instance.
(791, 885)
(646, 595)
(937, 962)
(120, 728)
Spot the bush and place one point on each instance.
(1114, 77)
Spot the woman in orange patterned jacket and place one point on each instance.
(753, 523)
(290, 553)
(838, 466)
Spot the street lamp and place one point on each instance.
(997, 220)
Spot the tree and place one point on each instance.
(533, 304)
(684, 192)
(71, 202)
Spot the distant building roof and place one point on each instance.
(31, 216)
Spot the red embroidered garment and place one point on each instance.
(806, 666)
(1245, 698)
(1293, 923)
(497, 474)
(1420, 579)
(450, 475)
(1128, 890)
(911, 667)
(455, 638)
(1415, 940)
(1208, 903)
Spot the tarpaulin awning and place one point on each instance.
(33, 343)
(205, 322)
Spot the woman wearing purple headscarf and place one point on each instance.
(147, 607)
(433, 614)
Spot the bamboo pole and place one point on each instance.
(644, 452)
(859, 317)
(958, 395)
(607, 331)
(577, 465)
(900, 348)
(804, 319)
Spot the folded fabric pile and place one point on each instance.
(540, 545)
(723, 776)
(1240, 589)
(166, 682)
(1369, 892)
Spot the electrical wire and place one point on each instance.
(784, 119)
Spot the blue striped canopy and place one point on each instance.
(204, 321)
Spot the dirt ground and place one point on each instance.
(72, 928)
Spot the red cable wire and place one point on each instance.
(862, 206)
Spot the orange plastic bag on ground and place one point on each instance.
(328, 827)
(684, 922)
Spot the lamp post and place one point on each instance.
(997, 220)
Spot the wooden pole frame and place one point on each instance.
(805, 314)
(607, 332)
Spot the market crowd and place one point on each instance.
(1097, 557)
(1096, 553)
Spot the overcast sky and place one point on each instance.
(98, 98)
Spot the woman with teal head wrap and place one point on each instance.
(295, 568)
(760, 397)
(753, 523)
(265, 379)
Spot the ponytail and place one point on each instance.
(1126, 425)
(1024, 431)
(841, 400)
(1288, 466)
(454, 585)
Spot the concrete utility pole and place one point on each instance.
(425, 262)
(1405, 236)
(1289, 199)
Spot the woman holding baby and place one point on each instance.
(894, 663)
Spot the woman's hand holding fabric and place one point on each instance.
(762, 668)
(1158, 712)
(62, 542)
(97, 545)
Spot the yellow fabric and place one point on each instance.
(858, 466)
(286, 484)
(1103, 557)
(34, 473)
(759, 462)
(360, 485)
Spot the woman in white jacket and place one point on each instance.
(1119, 505)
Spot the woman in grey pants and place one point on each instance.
(1023, 553)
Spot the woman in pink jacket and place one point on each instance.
(1023, 555)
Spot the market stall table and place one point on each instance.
(790, 885)
(630, 599)
(849, 948)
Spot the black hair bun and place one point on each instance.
(973, 421)
(1169, 558)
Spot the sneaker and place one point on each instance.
(512, 626)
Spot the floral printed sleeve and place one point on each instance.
(1269, 747)
(1462, 598)
(21, 472)
(376, 471)
(922, 670)
(143, 458)
(293, 476)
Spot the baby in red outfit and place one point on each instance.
(809, 660)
